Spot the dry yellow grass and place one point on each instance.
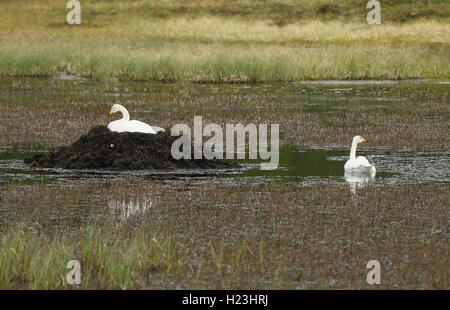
(119, 40)
(129, 18)
(217, 29)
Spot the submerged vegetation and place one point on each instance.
(213, 236)
(411, 114)
(236, 41)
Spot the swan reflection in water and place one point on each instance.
(358, 179)
(127, 208)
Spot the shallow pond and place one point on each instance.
(301, 166)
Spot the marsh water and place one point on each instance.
(299, 166)
(302, 166)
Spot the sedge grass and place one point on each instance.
(119, 40)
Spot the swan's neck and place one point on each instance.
(125, 114)
(353, 150)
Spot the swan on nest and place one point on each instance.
(125, 125)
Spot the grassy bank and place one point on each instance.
(207, 42)
(240, 237)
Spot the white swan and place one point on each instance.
(360, 163)
(125, 125)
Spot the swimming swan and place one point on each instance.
(125, 125)
(360, 163)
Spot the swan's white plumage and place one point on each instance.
(360, 163)
(125, 125)
(158, 129)
(130, 126)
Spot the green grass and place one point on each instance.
(34, 261)
(238, 41)
(400, 64)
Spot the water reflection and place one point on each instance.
(358, 179)
(124, 209)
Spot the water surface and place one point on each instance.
(297, 165)
(300, 166)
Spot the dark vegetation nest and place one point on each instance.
(101, 148)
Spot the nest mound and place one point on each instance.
(101, 148)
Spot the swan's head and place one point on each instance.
(116, 108)
(358, 139)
